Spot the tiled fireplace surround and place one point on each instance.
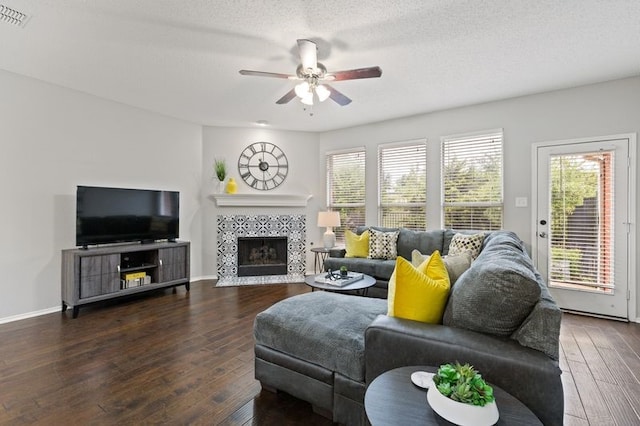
(230, 227)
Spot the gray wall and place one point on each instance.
(594, 110)
(301, 149)
(54, 139)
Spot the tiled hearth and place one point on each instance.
(230, 227)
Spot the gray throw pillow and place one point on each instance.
(493, 297)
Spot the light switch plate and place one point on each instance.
(521, 201)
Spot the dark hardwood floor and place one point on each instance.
(187, 358)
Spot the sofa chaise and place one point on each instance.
(325, 347)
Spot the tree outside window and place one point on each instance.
(472, 181)
(346, 188)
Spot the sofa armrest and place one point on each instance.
(338, 252)
(393, 342)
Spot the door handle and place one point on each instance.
(543, 235)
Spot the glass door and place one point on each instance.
(582, 225)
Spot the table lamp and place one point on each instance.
(329, 219)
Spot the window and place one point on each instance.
(581, 227)
(472, 181)
(346, 188)
(402, 180)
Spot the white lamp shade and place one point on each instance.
(302, 89)
(322, 92)
(307, 99)
(330, 219)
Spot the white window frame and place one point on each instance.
(381, 205)
(484, 134)
(329, 178)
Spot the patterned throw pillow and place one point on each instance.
(383, 245)
(461, 243)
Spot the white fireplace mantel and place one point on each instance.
(261, 200)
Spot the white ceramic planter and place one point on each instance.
(459, 413)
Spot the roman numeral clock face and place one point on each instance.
(263, 166)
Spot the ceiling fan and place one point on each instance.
(313, 76)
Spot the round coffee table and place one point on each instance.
(360, 285)
(392, 399)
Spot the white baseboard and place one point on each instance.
(59, 308)
(30, 314)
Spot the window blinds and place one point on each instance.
(402, 183)
(472, 181)
(346, 188)
(582, 237)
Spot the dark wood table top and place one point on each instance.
(392, 399)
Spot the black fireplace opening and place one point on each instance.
(262, 256)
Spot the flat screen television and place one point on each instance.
(115, 215)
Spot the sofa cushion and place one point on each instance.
(456, 264)
(323, 328)
(461, 243)
(356, 245)
(541, 329)
(419, 294)
(383, 245)
(425, 241)
(496, 294)
(384, 268)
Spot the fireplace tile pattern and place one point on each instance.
(230, 227)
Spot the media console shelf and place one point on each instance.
(102, 273)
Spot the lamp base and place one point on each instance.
(329, 239)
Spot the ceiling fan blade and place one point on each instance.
(308, 54)
(267, 74)
(338, 97)
(287, 97)
(369, 72)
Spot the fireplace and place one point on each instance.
(262, 256)
(233, 228)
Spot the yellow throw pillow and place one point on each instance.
(356, 245)
(421, 293)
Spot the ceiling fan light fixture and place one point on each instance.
(322, 92)
(307, 99)
(302, 89)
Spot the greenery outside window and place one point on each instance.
(346, 188)
(402, 181)
(472, 181)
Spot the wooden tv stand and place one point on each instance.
(97, 274)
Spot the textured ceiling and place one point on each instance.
(181, 57)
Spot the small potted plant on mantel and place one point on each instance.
(220, 168)
(461, 396)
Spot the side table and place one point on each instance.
(321, 254)
(392, 399)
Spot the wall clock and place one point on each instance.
(263, 166)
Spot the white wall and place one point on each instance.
(301, 149)
(594, 110)
(53, 139)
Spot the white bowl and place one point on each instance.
(460, 413)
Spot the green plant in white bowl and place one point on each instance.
(463, 383)
(460, 395)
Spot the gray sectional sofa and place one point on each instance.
(326, 347)
(424, 241)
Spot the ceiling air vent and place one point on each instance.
(12, 16)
